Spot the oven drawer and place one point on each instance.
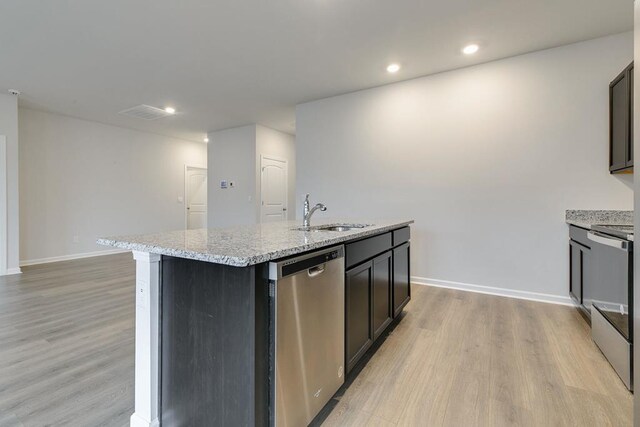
(613, 345)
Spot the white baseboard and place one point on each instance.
(71, 257)
(11, 271)
(137, 421)
(489, 290)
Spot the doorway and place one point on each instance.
(195, 197)
(4, 243)
(273, 189)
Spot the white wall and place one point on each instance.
(86, 179)
(232, 154)
(270, 142)
(636, 222)
(9, 128)
(486, 159)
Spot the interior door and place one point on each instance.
(273, 189)
(3, 205)
(196, 195)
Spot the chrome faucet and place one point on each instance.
(308, 212)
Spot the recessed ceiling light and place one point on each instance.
(170, 110)
(470, 49)
(206, 139)
(393, 68)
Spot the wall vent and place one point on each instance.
(145, 112)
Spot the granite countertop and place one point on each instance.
(589, 218)
(242, 246)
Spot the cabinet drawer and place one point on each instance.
(579, 235)
(365, 249)
(401, 235)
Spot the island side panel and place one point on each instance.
(214, 344)
(147, 345)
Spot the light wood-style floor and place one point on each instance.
(466, 359)
(456, 358)
(66, 343)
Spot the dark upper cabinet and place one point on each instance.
(630, 157)
(359, 335)
(401, 292)
(381, 314)
(621, 122)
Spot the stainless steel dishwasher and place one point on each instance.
(308, 313)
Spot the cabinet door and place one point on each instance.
(381, 309)
(401, 278)
(630, 138)
(359, 336)
(619, 122)
(575, 271)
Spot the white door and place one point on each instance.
(273, 189)
(196, 197)
(3, 205)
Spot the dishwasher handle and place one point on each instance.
(316, 271)
(609, 241)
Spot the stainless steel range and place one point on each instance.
(610, 295)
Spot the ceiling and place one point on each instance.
(229, 63)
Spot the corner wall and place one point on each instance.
(636, 222)
(234, 156)
(81, 180)
(9, 128)
(231, 155)
(486, 159)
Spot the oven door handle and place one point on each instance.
(623, 245)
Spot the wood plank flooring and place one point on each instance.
(457, 358)
(465, 359)
(66, 343)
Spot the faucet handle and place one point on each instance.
(306, 199)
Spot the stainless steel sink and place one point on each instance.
(333, 227)
(337, 228)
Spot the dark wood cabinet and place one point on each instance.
(621, 122)
(381, 314)
(359, 335)
(401, 278)
(576, 269)
(631, 112)
(368, 304)
(377, 289)
(581, 269)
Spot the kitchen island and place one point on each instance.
(204, 312)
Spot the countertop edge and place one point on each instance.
(580, 224)
(252, 260)
(588, 226)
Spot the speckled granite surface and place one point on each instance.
(587, 218)
(248, 245)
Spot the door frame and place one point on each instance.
(188, 166)
(4, 208)
(286, 180)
